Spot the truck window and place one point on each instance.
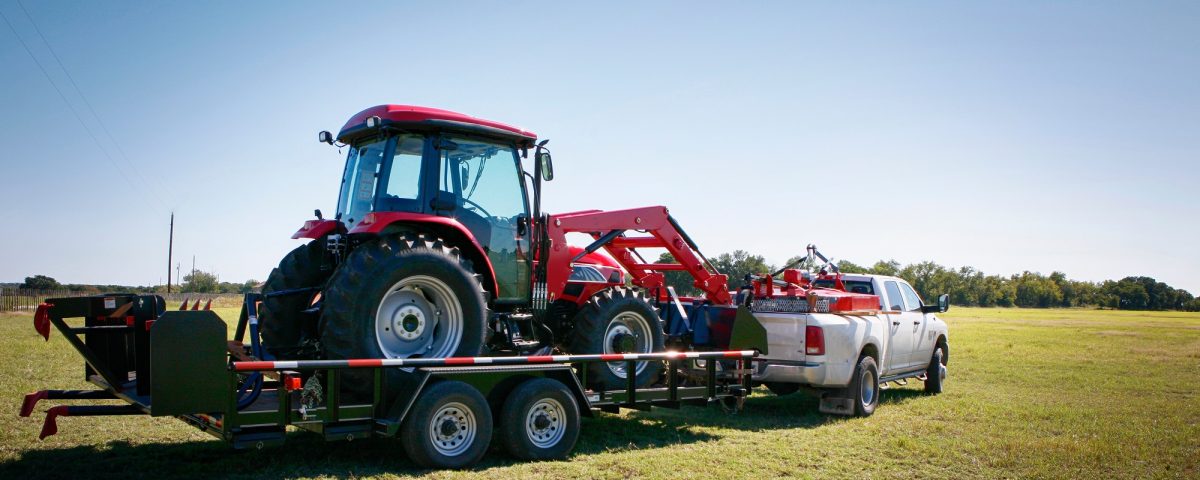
(911, 297)
(893, 296)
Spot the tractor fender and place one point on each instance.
(448, 229)
(315, 228)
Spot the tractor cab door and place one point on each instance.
(480, 184)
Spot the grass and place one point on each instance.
(1031, 393)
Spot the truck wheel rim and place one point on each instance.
(627, 324)
(419, 316)
(545, 424)
(452, 429)
(868, 387)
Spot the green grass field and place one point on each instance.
(1030, 393)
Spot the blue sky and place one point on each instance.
(1007, 136)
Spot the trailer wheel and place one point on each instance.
(449, 426)
(935, 374)
(283, 325)
(864, 387)
(401, 297)
(618, 320)
(781, 389)
(539, 421)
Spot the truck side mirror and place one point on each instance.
(944, 302)
(543, 158)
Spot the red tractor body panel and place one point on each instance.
(316, 228)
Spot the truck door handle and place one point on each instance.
(916, 322)
(895, 323)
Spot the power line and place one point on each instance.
(100, 121)
(72, 107)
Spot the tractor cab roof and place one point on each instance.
(411, 117)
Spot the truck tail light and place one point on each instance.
(814, 340)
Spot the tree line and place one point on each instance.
(195, 282)
(971, 287)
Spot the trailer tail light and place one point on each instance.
(291, 382)
(814, 340)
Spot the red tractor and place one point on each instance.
(439, 248)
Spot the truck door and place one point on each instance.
(898, 355)
(922, 350)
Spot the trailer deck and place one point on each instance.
(177, 364)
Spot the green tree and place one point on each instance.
(738, 264)
(890, 268)
(200, 282)
(41, 282)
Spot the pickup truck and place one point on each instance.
(847, 356)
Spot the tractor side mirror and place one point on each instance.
(543, 159)
(325, 137)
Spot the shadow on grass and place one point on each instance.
(307, 454)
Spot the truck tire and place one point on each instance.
(401, 297)
(449, 426)
(285, 329)
(617, 320)
(864, 387)
(539, 421)
(781, 389)
(935, 374)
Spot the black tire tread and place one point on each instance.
(512, 420)
(280, 318)
(340, 329)
(588, 335)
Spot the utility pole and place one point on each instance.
(170, 251)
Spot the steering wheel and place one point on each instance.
(471, 203)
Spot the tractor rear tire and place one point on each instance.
(401, 297)
(282, 323)
(618, 320)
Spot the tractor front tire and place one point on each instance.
(282, 323)
(404, 296)
(618, 320)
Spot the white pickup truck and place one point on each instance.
(846, 357)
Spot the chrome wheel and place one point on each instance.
(628, 333)
(868, 388)
(419, 316)
(545, 423)
(452, 429)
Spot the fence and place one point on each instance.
(23, 299)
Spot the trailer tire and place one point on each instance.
(449, 426)
(539, 421)
(613, 315)
(864, 387)
(401, 297)
(935, 373)
(781, 389)
(283, 325)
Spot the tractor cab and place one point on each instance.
(406, 164)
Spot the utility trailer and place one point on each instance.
(446, 411)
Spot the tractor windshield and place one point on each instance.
(358, 181)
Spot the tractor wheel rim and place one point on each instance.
(631, 324)
(545, 423)
(419, 316)
(452, 429)
(868, 388)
